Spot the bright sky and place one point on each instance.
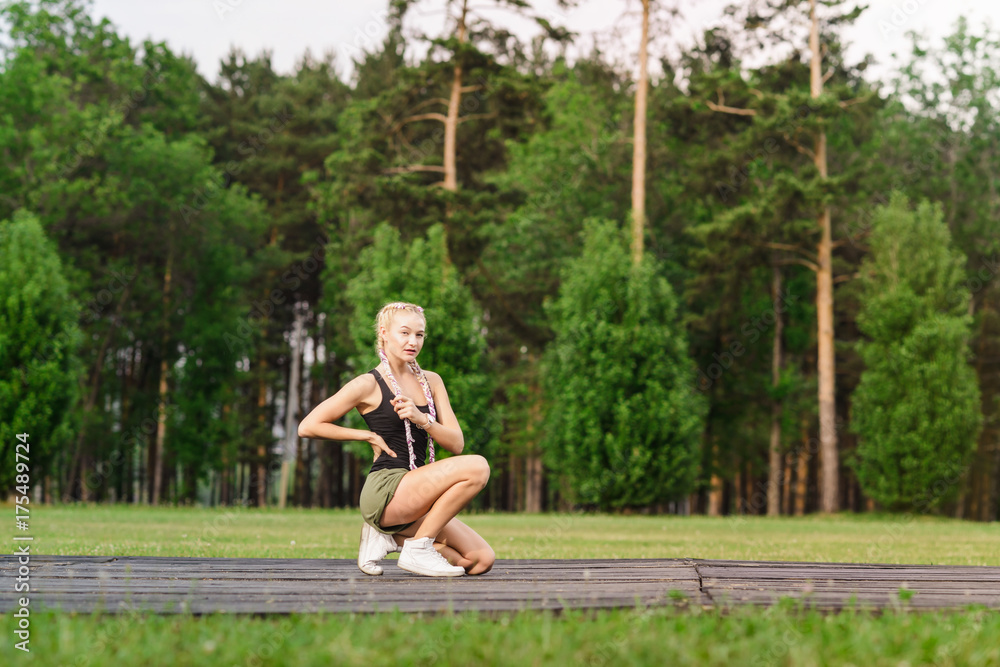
(207, 29)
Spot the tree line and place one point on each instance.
(721, 289)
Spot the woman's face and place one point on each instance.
(405, 336)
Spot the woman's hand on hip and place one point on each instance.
(406, 409)
(379, 446)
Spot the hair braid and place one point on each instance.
(426, 386)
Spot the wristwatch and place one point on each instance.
(430, 420)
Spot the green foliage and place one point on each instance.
(455, 347)
(39, 337)
(624, 422)
(940, 142)
(576, 166)
(916, 408)
(214, 334)
(215, 210)
(127, 192)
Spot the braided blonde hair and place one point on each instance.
(383, 321)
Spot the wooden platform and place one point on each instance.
(266, 585)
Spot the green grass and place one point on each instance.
(296, 533)
(785, 635)
(751, 637)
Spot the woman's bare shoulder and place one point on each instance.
(433, 378)
(365, 390)
(364, 383)
(360, 387)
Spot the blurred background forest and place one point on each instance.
(770, 290)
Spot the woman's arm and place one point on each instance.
(319, 422)
(446, 431)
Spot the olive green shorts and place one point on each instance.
(379, 488)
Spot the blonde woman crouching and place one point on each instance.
(408, 411)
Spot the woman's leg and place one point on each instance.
(436, 493)
(460, 545)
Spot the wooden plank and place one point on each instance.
(497, 600)
(354, 573)
(861, 575)
(778, 563)
(524, 591)
(942, 587)
(267, 585)
(295, 605)
(284, 563)
(589, 593)
(274, 585)
(269, 564)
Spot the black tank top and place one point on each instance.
(384, 421)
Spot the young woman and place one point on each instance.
(408, 412)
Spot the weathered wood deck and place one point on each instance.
(266, 585)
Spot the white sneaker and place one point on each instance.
(374, 547)
(419, 556)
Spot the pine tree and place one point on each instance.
(39, 338)
(940, 142)
(916, 408)
(802, 198)
(625, 420)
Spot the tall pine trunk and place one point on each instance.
(225, 483)
(125, 485)
(161, 415)
(533, 460)
(802, 475)
(830, 482)
(454, 103)
(291, 445)
(639, 144)
(786, 491)
(258, 482)
(715, 487)
(775, 480)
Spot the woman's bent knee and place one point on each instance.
(479, 469)
(482, 560)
